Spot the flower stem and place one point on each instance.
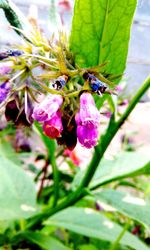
(114, 246)
(98, 154)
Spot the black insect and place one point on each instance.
(60, 82)
(96, 85)
(7, 53)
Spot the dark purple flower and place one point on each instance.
(47, 108)
(4, 91)
(12, 110)
(87, 135)
(53, 127)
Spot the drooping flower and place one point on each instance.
(53, 127)
(87, 120)
(4, 91)
(47, 108)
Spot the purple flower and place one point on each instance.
(87, 120)
(47, 108)
(87, 135)
(5, 68)
(4, 91)
(53, 127)
(88, 112)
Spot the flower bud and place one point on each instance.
(96, 85)
(53, 127)
(11, 111)
(46, 109)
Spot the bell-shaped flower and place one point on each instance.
(53, 127)
(47, 108)
(88, 113)
(87, 120)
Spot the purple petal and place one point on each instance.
(53, 127)
(88, 113)
(4, 91)
(87, 135)
(46, 109)
(39, 114)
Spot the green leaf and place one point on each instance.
(15, 17)
(90, 223)
(87, 247)
(17, 192)
(6, 150)
(127, 164)
(101, 32)
(44, 241)
(134, 207)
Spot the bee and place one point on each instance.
(60, 82)
(7, 53)
(96, 85)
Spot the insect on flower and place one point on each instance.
(96, 85)
(60, 82)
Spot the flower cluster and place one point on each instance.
(68, 113)
(87, 119)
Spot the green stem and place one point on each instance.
(56, 181)
(114, 246)
(98, 154)
(51, 146)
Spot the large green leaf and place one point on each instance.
(127, 164)
(101, 32)
(44, 241)
(127, 204)
(17, 192)
(90, 223)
